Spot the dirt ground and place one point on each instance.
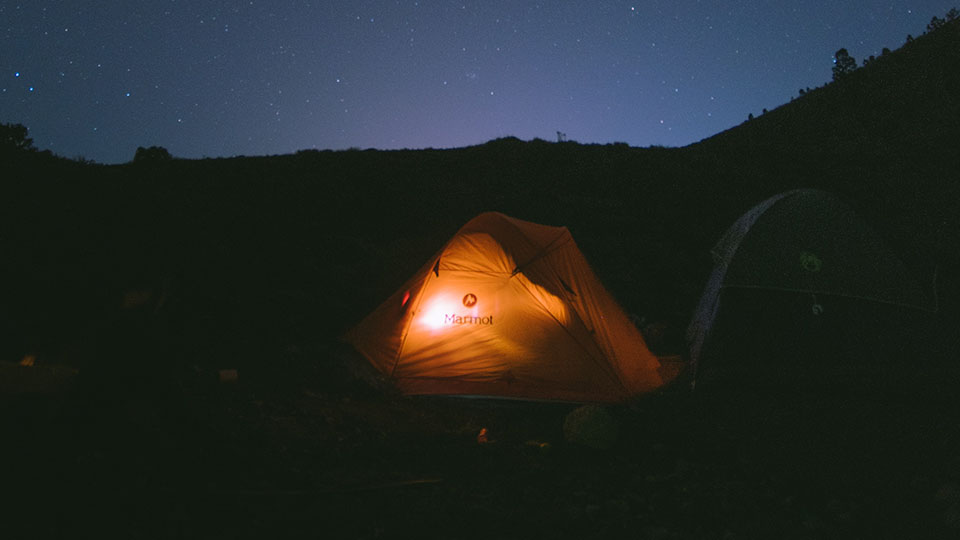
(304, 449)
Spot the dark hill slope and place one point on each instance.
(270, 249)
(885, 136)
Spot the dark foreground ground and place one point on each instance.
(305, 450)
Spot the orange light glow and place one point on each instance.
(442, 307)
(551, 303)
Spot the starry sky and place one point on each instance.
(217, 78)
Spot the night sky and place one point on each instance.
(97, 79)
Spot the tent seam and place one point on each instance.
(827, 293)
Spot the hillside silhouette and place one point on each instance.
(150, 276)
(883, 138)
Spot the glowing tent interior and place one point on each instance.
(508, 308)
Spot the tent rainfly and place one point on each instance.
(508, 308)
(805, 244)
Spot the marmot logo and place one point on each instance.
(470, 300)
(467, 319)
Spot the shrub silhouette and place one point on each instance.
(153, 154)
(936, 23)
(13, 137)
(843, 64)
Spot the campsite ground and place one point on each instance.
(302, 449)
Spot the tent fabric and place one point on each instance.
(802, 242)
(722, 253)
(508, 308)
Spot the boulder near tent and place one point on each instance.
(508, 308)
(796, 268)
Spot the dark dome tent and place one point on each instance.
(802, 290)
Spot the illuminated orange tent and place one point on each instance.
(508, 308)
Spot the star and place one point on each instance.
(544, 62)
